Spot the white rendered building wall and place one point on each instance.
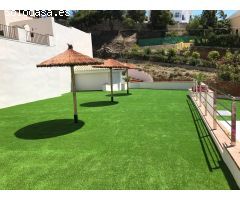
(97, 80)
(22, 82)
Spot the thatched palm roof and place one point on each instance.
(111, 63)
(69, 58)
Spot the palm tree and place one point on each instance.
(200, 77)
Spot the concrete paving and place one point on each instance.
(224, 113)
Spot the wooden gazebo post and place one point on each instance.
(70, 58)
(127, 81)
(74, 94)
(129, 66)
(111, 82)
(111, 64)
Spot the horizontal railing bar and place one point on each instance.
(215, 89)
(223, 118)
(203, 97)
(220, 125)
(218, 103)
(12, 33)
(215, 111)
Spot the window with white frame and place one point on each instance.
(177, 15)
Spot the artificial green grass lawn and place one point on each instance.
(151, 139)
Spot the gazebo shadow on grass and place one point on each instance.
(212, 156)
(98, 104)
(119, 94)
(48, 129)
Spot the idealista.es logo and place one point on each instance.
(40, 13)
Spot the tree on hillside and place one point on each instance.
(212, 21)
(209, 19)
(138, 16)
(86, 18)
(223, 24)
(194, 26)
(112, 15)
(160, 19)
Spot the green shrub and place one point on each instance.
(194, 62)
(213, 56)
(127, 78)
(195, 55)
(135, 48)
(172, 52)
(163, 52)
(221, 40)
(224, 72)
(179, 60)
(229, 68)
(200, 77)
(228, 57)
(158, 58)
(135, 55)
(147, 51)
(128, 22)
(187, 53)
(206, 63)
(172, 33)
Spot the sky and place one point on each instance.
(228, 12)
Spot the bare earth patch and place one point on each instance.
(173, 73)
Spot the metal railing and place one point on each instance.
(37, 38)
(203, 98)
(9, 32)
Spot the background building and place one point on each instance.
(235, 22)
(180, 16)
(27, 41)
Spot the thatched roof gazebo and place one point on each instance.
(111, 64)
(70, 58)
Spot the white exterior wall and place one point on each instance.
(22, 82)
(7, 17)
(116, 87)
(38, 25)
(164, 85)
(91, 81)
(98, 80)
(2, 17)
(185, 13)
(80, 40)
